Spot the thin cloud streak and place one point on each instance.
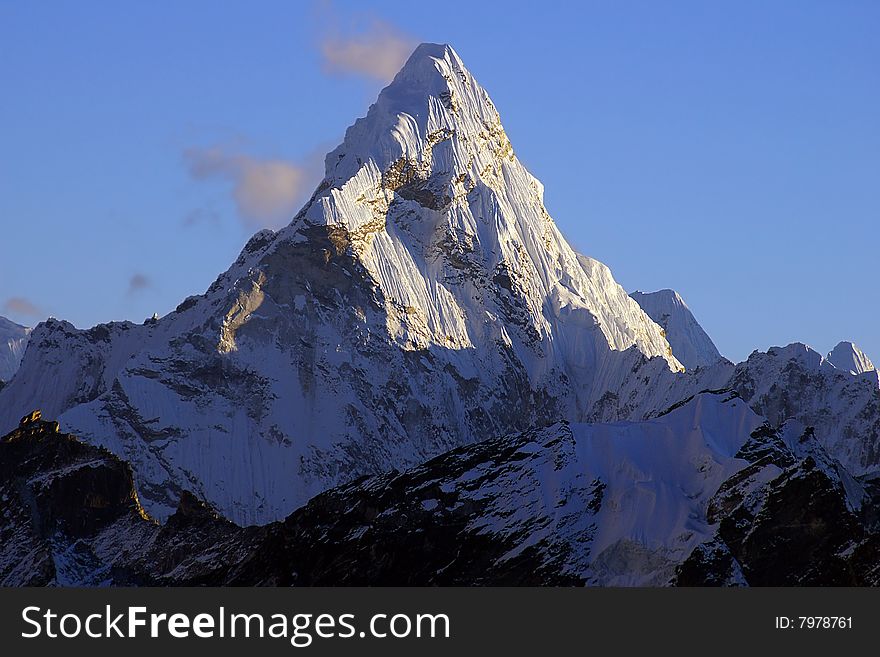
(23, 307)
(265, 191)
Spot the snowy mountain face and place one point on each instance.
(689, 342)
(836, 396)
(13, 340)
(795, 382)
(694, 496)
(848, 357)
(421, 300)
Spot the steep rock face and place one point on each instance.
(795, 382)
(13, 340)
(689, 342)
(421, 300)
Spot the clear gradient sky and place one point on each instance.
(728, 150)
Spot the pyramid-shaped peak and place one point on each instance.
(431, 62)
(665, 295)
(435, 50)
(848, 357)
(439, 52)
(690, 343)
(433, 71)
(432, 98)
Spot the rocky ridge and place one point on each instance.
(740, 504)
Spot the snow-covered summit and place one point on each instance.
(428, 193)
(848, 357)
(690, 343)
(13, 340)
(422, 299)
(432, 98)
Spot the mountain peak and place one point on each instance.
(428, 61)
(671, 295)
(427, 193)
(435, 50)
(848, 357)
(690, 343)
(432, 99)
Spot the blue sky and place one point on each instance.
(729, 150)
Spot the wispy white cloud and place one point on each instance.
(265, 191)
(373, 48)
(23, 307)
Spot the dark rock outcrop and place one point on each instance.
(64, 508)
(789, 519)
